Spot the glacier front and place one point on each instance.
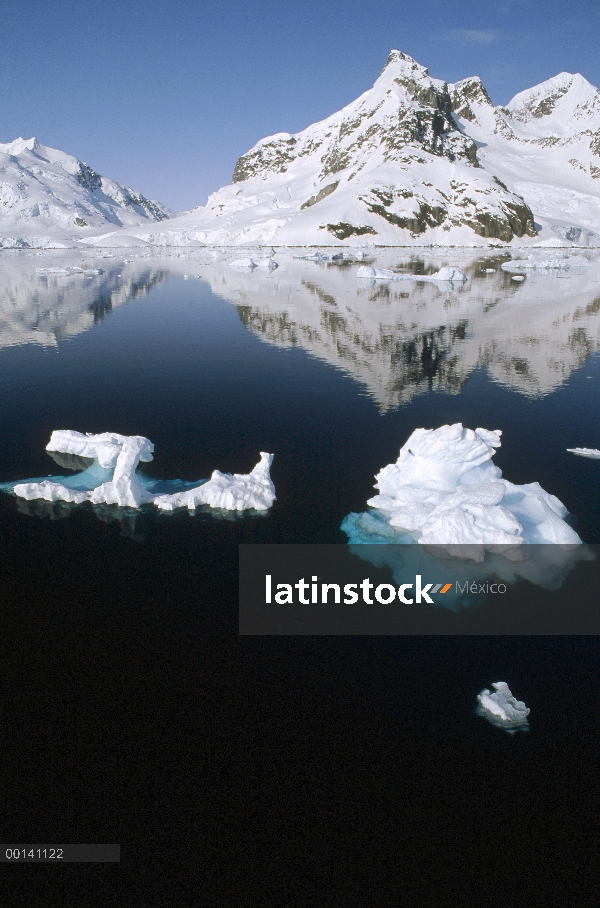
(110, 478)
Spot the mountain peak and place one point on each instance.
(563, 93)
(400, 64)
(396, 56)
(18, 146)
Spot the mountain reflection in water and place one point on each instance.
(403, 339)
(396, 340)
(45, 308)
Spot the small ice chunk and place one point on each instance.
(455, 275)
(377, 274)
(70, 269)
(535, 264)
(267, 264)
(594, 453)
(245, 264)
(502, 709)
(444, 275)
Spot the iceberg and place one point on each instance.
(444, 491)
(502, 709)
(110, 478)
(444, 275)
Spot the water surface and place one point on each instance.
(120, 648)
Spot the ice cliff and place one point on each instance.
(110, 477)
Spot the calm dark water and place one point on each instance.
(132, 711)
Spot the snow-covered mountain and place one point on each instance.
(545, 145)
(392, 168)
(415, 161)
(50, 198)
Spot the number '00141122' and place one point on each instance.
(34, 854)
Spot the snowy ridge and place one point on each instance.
(545, 145)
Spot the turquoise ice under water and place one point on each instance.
(89, 479)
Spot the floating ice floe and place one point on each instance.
(109, 477)
(444, 491)
(325, 256)
(444, 275)
(594, 453)
(69, 270)
(237, 492)
(249, 264)
(533, 264)
(502, 709)
(245, 264)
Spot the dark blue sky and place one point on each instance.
(165, 96)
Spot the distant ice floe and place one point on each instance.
(346, 256)
(69, 270)
(531, 263)
(502, 709)
(249, 264)
(444, 275)
(444, 491)
(594, 453)
(109, 477)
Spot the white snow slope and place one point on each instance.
(49, 198)
(415, 161)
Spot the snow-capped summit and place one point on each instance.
(50, 198)
(391, 168)
(545, 146)
(566, 103)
